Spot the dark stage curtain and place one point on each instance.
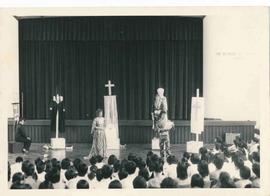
(76, 56)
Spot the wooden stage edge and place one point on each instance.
(135, 131)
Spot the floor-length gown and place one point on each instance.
(99, 146)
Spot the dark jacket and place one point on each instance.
(20, 133)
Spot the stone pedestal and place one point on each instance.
(58, 143)
(111, 122)
(155, 144)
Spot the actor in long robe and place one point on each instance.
(61, 112)
(99, 145)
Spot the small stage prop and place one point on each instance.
(111, 119)
(197, 122)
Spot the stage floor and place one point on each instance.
(81, 150)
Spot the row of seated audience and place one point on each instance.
(235, 166)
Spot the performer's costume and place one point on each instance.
(21, 136)
(61, 110)
(162, 125)
(99, 146)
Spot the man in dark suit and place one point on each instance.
(20, 136)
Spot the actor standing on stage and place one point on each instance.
(21, 136)
(162, 125)
(99, 145)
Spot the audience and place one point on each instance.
(226, 166)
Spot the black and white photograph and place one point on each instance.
(131, 98)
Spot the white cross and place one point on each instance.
(109, 86)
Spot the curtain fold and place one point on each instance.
(76, 56)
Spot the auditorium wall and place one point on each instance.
(235, 56)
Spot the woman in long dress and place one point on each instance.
(99, 146)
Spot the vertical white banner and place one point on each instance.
(197, 115)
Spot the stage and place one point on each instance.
(135, 131)
(81, 150)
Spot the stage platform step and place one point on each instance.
(15, 147)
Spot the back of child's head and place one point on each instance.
(17, 178)
(139, 182)
(144, 173)
(71, 173)
(93, 168)
(37, 160)
(226, 181)
(149, 153)
(168, 183)
(122, 174)
(140, 163)
(82, 184)
(19, 159)
(55, 162)
(224, 178)
(46, 185)
(30, 170)
(182, 170)
(256, 157)
(206, 157)
(54, 175)
(115, 184)
(99, 158)
(40, 167)
(107, 171)
(238, 162)
(203, 150)
(76, 163)
(130, 167)
(25, 165)
(65, 163)
(123, 163)
(186, 155)
(256, 169)
(99, 175)
(227, 153)
(203, 169)
(218, 162)
(131, 157)
(91, 175)
(195, 158)
(245, 172)
(48, 166)
(158, 166)
(255, 140)
(82, 169)
(116, 166)
(218, 146)
(197, 181)
(171, 159)
(112, 159)
(93, 160)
